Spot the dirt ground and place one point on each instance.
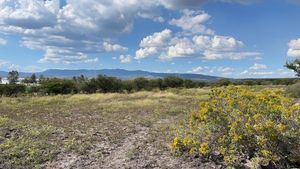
(96, 131)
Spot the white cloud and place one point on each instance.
(82, 28)
(14, 67)
(294, 48)
(29, 14)
(57, 55)
(3, 63)
(113, 47)
(180, 48)
(192, 21)
(223, 71)
(256, 73)
(180, 4)
(125, 58)
(198, 70)
(154, 43)
(200, 42)
(258, 66)
(72, 33)
(157, 39)
(183, 4)
(3, 42)
(145, 52)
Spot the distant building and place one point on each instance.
(4, 81)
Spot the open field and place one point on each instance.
(94, 131)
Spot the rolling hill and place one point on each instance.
(119, 73)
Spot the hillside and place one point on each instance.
(119, 73)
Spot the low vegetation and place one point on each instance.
(294, 90)
(105, 84)
(240, 125)
(110, 130)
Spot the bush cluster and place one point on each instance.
(105, 84)
(240, 124)
(294, 90)
(12, 90)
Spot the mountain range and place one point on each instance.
(119, 73)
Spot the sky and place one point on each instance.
(228, 38)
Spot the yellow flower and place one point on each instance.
(204, 148)
(281, 127)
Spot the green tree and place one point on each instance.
(295, 66)
(33, 78)
(13, 77)
(173, 82)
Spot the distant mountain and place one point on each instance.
(119, 73)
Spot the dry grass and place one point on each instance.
(93, 131)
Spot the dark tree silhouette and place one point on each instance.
(295, 66)
(13, 77)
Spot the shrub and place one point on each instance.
(173, 82)
(141, 83)
(108, 84)
(58, 86)
(294, 90)
(12, 89)
(242, 124)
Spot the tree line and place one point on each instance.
(106, 84)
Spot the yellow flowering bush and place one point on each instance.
(244, 123)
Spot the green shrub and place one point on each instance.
(294, 90)
(58, 86)
(12, 89)
(242, 123)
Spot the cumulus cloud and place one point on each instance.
(294, 48)
(183, 4)
(195, 40)
(145, 52)
(213, 47)
(28, 14)
(157, 39)
(113, 47)
(192, 21)
(81, 29)
(72, 33)
(125, 58)
(257, 66)
(153, 44)
(223, 71)
(180, 4)
(3, 41)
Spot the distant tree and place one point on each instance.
(33, 78)
(295, 66)
(223, 82)
(173, 82)
(141, 83)
(58, 86)
(108, 84)
(41, 78)
(13, 77)
(0, 80)
(189, 83)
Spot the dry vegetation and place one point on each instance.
(94, 131)
(139, 130)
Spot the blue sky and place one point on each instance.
(229, 38)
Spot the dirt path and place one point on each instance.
(145, 149)
(119, 157)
